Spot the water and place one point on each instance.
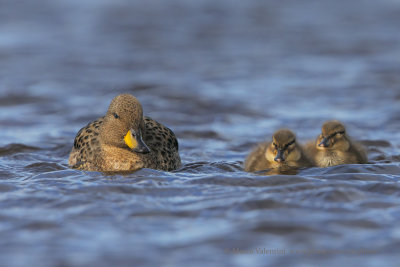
(223, 75)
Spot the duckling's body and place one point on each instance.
(282, 154)
(335, 147)
(124, 140)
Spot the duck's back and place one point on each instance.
(360, 153)
(256, 160)
(163, 145)
(86, 150)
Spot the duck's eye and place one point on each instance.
(116, 115)
(274, 144)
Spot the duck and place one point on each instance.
(125, 140)
(334, 147)
(280, 155)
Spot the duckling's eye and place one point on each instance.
(275, 145)
(116, 115)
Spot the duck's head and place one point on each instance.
(283, 147)
(123, 124)
(333, 136)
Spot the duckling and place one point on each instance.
(124, 140)
(334, 147)
(282, 154)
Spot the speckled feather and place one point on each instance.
(88, 152)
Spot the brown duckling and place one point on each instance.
(334, 147)
(282, 154)
(124, 140)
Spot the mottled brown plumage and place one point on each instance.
(283, 154)
(124, 140)
(334, 147)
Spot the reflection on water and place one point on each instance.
(224, 76)
(278, 171)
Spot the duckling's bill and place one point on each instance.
(135, 142)
(279, 156)
(324, 143)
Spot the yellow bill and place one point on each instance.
(130, 140)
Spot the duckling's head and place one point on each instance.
(123, 124)
(333, 136)
(283, 147)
